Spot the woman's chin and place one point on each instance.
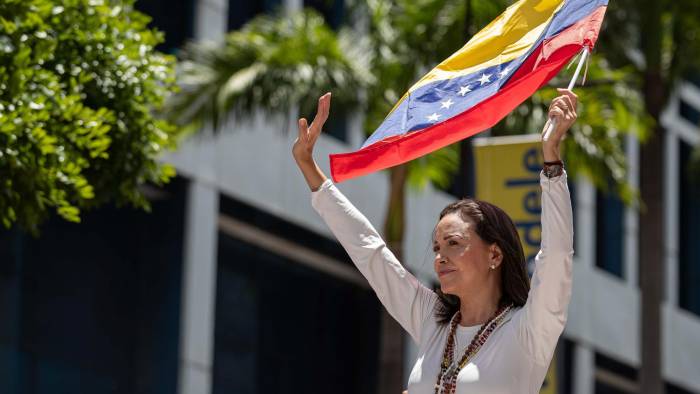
(448, 288)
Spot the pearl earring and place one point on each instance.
(493, 266)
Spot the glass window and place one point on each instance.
(673, 389)
(333, 11)
(695, 80)
(276, 320)
(610, 216)
(94, 307)
(614, 377)
(337, 125)
(689, 113)
(174, 18)
(273, 311)
(689, 234)
(242, 11)
(566, 365)
(463, 181)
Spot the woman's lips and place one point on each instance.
(445, 272)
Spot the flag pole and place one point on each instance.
(584, 56)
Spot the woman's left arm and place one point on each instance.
(545, 312)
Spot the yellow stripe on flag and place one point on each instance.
(506, 38)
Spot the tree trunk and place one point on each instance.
(651, 267)
(392, 335)
(651, 220)
(464, 183)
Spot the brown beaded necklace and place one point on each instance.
(447, 379)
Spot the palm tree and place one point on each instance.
(273, 64)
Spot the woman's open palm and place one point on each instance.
(304, 145)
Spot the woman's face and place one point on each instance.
(461, 257)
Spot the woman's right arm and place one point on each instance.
(406, 299)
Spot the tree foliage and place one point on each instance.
(79, 83)
(274, 64)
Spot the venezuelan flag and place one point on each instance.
(499, 68)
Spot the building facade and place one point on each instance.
(235, 285)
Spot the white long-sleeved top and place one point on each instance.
(516, 356)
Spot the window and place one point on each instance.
(689, 113)
(673, 389)
(689, 234)
(94, 307)
(276, 318)
(242, 11)
(610, 215)
(337, 125)
(614, 377)
(174, 18)
(333, 11)
(463, 181)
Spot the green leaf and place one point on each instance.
(79, 96)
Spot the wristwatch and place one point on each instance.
(553, 169)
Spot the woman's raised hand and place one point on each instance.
(304, 144)
(303, 147)
(563, 110)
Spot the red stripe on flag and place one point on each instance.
(541, 66)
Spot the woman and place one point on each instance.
(488, 329)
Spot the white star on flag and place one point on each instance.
(504, 72)
(464, 90)
(485, 78)
(447, 104)
(434, 117)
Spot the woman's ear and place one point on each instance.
(495, 255)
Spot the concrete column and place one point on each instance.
(671, 211)
(584, 370)
(293, 5)
(198, 290)
(631, 231)
(211, 20)
(585, 222)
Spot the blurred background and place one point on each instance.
(158, 237)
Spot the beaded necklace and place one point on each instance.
(447, 379)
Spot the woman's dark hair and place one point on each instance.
(493, 225)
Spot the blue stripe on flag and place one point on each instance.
(441, 100)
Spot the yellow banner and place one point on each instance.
(508, 175)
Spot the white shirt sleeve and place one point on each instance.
(545, 312)
(404, 297)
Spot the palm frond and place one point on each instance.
(273, 64)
